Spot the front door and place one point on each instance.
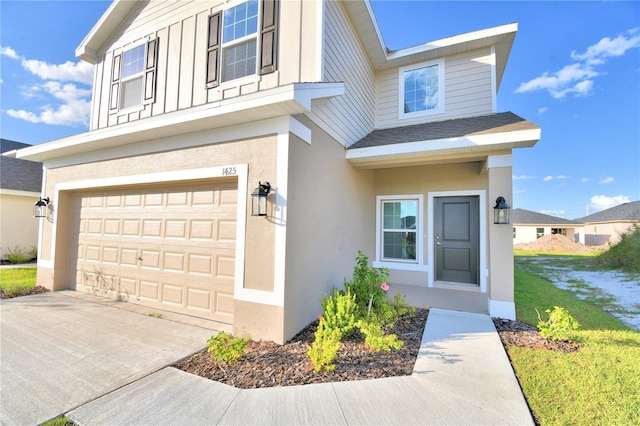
(457, 239)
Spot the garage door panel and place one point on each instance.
(172, 248)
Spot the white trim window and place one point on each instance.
(421, 89)
(398, 221)
(132, 76)
(239, 40)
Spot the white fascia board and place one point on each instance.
(18, 193)
(523, 138)
(291, 99)
(103, 29)
(487, 34)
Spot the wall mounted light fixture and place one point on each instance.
(501, 211)
(259, 199)
(40, 207)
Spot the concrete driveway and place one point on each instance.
(59, 352)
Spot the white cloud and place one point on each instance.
(559, 177)
(577, 78)
(542, 110)
(73, 111)
(608, 47)
(522, 177)
(602, 202)
(66, 101)
(80, 72)
(8, 52)
(584, 180)
(554, 212)
(606, 180)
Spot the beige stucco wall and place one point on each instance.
(500, 255)
(18, 229)
(603, 233)
(331, 215)
(260, 155)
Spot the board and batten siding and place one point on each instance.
(181, 28)
(350, 117)
(468, 91)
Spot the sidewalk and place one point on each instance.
(462, 376)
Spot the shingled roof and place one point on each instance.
(447, 129)
(19, 175)
(527, 217)
(627, 212)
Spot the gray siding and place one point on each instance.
(350, 117)
(468, 91)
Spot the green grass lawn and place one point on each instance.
(13, 281)
(597, 385)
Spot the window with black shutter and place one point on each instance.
(133, 76)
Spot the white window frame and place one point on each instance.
(441, 100)
(224, 46)
(400, 264)
(124, 80)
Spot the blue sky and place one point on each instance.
(574, 70)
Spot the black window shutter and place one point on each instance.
(115, 83)
(150, 71)
(269, 37)
(213, 50)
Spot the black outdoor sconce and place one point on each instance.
(501, 211)
(259, 199)
(40, 207)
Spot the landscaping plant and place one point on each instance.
(623, 254)
(559, 325)
(226, 348)
(366, 305)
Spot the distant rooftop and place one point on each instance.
(624, 212)
(18, 175)
(527, 217)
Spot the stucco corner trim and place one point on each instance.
(500, 309)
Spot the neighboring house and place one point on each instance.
(606, 226)
(20, 185)
(401, 154)
(528, 226)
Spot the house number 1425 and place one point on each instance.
(228, 171)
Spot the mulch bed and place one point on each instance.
(26, 292)
(267, 364)
(515, 333)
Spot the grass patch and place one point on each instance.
(599, 384)
(16, 280)
(59, 421)
(625, 253)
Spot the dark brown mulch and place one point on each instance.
(267, 364)
(515, 333)
(26, 292)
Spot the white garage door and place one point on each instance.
(170, 247)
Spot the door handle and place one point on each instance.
(438, 240)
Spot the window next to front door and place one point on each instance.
(398, 237)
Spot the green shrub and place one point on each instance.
(20, 255)
(324, 349)
(625, 253)
(339, 312)
(376, 339)
(559, 325)
(226, 348)
(369, 285)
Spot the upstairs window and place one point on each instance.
(242, 41)
(239, 41)
(133, 76)
(421, 89)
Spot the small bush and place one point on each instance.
(324, 349)
(226, 348)
(376, 339)
(340, 312)
(369, 285)
(625, 253)
(20, 255)
(559, 325)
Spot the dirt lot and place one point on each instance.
(559, 244)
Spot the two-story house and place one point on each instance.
(401, 154)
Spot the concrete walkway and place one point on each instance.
(102, 365)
